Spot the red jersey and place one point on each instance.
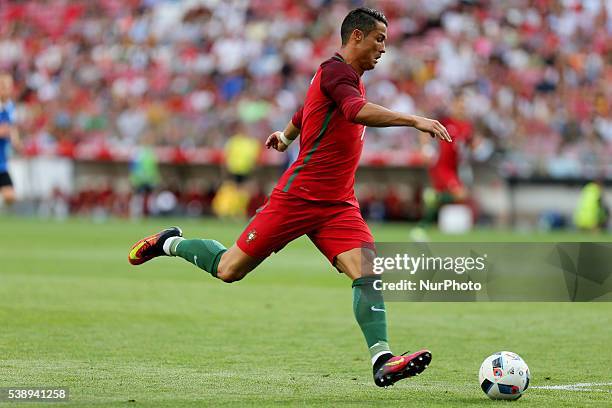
(330, 143)
(444, 173)
(449, 153)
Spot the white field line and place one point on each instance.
(585, 387)
(576, 387)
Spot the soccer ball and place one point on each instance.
(504, 375)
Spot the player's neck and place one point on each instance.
(350, 59)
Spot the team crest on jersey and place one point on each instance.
(251, 236)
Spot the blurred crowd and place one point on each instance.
(535, 75)
(100, 199)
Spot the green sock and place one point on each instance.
(430, 199)
(203, 253)
(369, 309)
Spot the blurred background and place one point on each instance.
(155, 107)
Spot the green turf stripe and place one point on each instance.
(310, 153)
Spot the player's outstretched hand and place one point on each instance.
(433, 127)
(275, 143)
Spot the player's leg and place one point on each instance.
(448, 190)
(278, 223)
(346, 241)
(228, 265)
(8, 194)
(368, 303)
(370, 312)
(7, 191)
(348, 244)
(281, 220)
(207, 254)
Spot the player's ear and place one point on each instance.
(357, 35)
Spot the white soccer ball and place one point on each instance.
(504, 375)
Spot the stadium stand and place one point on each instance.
(96, 78)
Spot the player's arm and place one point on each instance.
(5, 131)
(341, 84)
(281, 140)
(379, 116)
(15, 140)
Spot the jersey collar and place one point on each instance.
(338, 57)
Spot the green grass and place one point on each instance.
(74, 313)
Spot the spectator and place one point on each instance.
(534, 73)
(592, 213)
(8, 137)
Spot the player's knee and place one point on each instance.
(356, 263)
(228, 277)
(366, 264)
(8, 196)
(229, 273)
(235, 265)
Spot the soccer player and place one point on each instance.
(315, 195)
(444, 173)
(8, 135)
(447, 187)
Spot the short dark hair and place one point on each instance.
(363, 19)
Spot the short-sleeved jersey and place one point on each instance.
(330, 142)
(7, 117)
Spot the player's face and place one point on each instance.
(373, 46)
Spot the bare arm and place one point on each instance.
(281, 140)
(378, 116)
(5, 131)
(15, 140)
(291, 132)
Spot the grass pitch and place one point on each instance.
(74, 313)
